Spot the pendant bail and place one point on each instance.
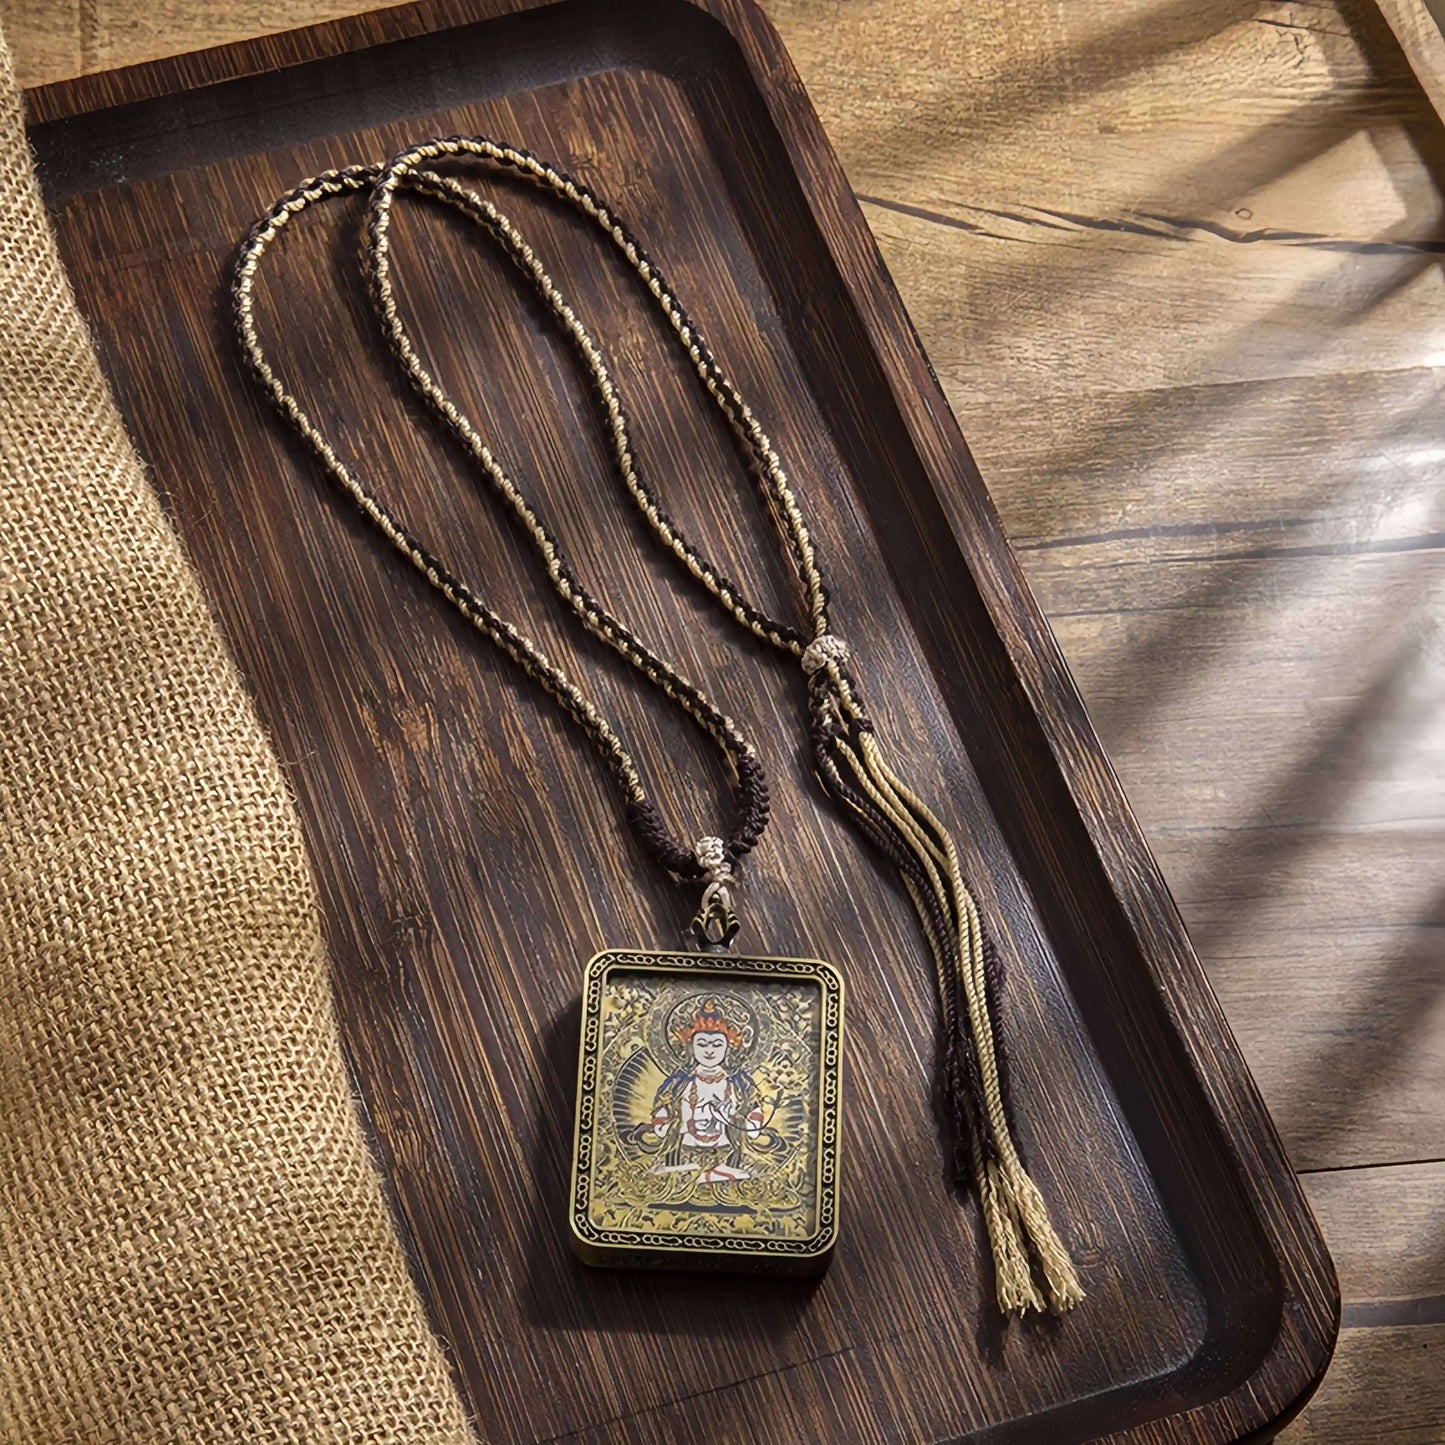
(715, 925)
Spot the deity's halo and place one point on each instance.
(677, 1004)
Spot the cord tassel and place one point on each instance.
(1021, 1234)
(1019, 1193)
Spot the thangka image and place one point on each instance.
(712, 1101)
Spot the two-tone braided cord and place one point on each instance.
(750, 780)
(847, 754)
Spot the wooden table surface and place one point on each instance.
(1177, 264)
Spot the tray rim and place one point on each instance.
(1283, 1379)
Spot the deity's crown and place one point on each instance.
(709, 1019)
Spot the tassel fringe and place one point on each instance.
(1032, 1266)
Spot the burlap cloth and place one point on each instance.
(193, 1243)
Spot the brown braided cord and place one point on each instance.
(751, 783)
(888, 811)
(849, 760)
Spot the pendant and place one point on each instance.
(709, 1094)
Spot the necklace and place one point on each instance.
(710, 1010)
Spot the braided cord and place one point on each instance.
(849, 760)
(751, 784)
(758, 449)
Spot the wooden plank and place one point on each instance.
(1386, 1230)
(1383, 1388)
(1126, 199)
(1290, 627)
(1418, 31)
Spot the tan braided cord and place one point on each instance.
(193, 1242)
(849, 758)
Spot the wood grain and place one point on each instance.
(430, 850)
(1291, 629)
(1387, 1233)
(1215, 440)
(1417, 28)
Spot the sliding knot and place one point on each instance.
(825, 651)
(712, 857)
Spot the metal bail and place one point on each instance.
(715, 925)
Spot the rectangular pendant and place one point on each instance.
(709, 1093)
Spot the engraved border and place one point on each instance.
(597, 1243)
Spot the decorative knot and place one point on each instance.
(712, 857)
(822, 652)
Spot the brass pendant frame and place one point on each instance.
(652, 1187)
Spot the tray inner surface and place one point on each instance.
(471, 857)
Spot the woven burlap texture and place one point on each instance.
(193, 1242)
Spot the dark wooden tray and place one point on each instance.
(469, 858)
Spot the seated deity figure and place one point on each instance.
(705, 1111)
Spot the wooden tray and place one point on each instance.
(469, 857)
